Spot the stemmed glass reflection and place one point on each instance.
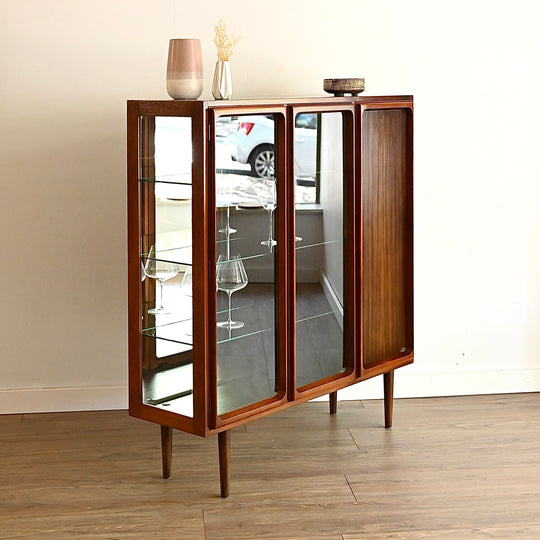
(161, 271)
(267, 196)
(230, 277)
(224, 192)
(187, 290)
(228, 230)
(187, 282)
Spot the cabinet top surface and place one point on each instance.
(277, 102)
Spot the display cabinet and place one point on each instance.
(270, 257)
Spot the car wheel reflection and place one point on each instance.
(262, 161)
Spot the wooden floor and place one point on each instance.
(459, 467)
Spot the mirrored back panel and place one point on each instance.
(166, 263)
(246, 186)
(321, 300)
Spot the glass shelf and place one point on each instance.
(180, 179)
(315, 317)
(175, 330)
(172, 189)
(166, 321)
(178, 330)
(249, 314)
(180, 255)
(317, 244)
(256, 255)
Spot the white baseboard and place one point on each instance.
(406, 385)
(39, 400)
(332, 298)
(409, 385)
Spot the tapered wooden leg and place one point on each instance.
(166, 450)
(332, 396)
(224, 462)
(388, 398)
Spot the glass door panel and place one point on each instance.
(321, 303)
(166, 263)
(246, 246)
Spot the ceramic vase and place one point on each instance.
(222, 84)
(184, 69)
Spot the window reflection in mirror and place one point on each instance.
(246, 199)
(305, 158)
(166, 295)
(245, 147)
(320, 301)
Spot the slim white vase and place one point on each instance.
(222, 84)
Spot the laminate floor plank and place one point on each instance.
(10, 418)
(465, 410)
(456, 533)
(110, 523)
(459, 467)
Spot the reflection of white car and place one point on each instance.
(253, 143)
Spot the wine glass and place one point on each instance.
(224, 194)
(228, 230)
(187, 290)
(162, 271)
(187, 282)
(267, 197)
(230, 277)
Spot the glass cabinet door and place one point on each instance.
(246, 248)
(166, 263)
(322, 302)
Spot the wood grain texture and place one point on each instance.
(332, 399)
(388, 398)
(224, 451)
(166, 450)
(387, 251)
(457, 467)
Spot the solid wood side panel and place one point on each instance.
(133, 239)
(386, 256)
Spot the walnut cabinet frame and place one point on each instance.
(320, 295)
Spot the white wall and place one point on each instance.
(331, 198)
(69, 65)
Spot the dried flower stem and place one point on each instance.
(224, 43)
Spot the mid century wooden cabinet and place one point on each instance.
(270, 255)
